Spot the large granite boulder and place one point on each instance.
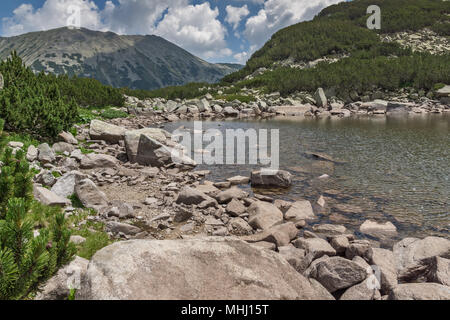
(410, 252)
(100, 130)
(58, 287)
(153, 153)
(132, 138)
(204, 269)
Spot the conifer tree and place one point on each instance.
(26, 260)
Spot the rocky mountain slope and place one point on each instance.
(140, 62)
(338, 52)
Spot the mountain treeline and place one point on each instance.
(341, 29)
(42, 104)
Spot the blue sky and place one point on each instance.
(215, 30)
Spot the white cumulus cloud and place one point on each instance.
(277, 14)
(196, 28)
(236, 14)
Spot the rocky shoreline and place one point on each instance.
(171, 210)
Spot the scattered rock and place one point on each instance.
(271, 178)
(46, 154)
(32, 153)
(420, 291)
(65, 186)
(300, 210)
(410, 252)
(337, 273)
(316, 246)
(49, 198)
(92, 161)
(235, 208)
(230, 194)
(378, 229)
(100, 130)
(90, 196)
(361, 292)
(239, 227)
(191, 196)
(126, 229)
(67, 137)
(263, 215)
(132, 138)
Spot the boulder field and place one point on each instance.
(180, 236)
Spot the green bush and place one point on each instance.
(421, 71)
(31, 105)
(26, 260)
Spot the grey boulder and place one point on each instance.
(213, 269)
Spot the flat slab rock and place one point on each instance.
(206, 268)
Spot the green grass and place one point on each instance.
(233, 97)
(76, 202)
(26, 139)
(113, 114)
(94, 242)
(56, 174)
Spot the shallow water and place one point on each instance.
(394, 168)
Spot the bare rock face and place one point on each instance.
(410, 252)
(90, 195)
(100, 130)
(337, 273)
(420, 291)
(271, 178)
(210, 269)
(58, 287)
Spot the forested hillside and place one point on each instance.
(362, 59)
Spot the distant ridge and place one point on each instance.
(138, 62)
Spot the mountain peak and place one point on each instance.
(134, 61)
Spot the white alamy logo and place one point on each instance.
(74, 17)
(374, 21)
(236, 147)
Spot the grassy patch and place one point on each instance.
(113, 114)
(240, 97)
(94, 242)
(76, 202)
